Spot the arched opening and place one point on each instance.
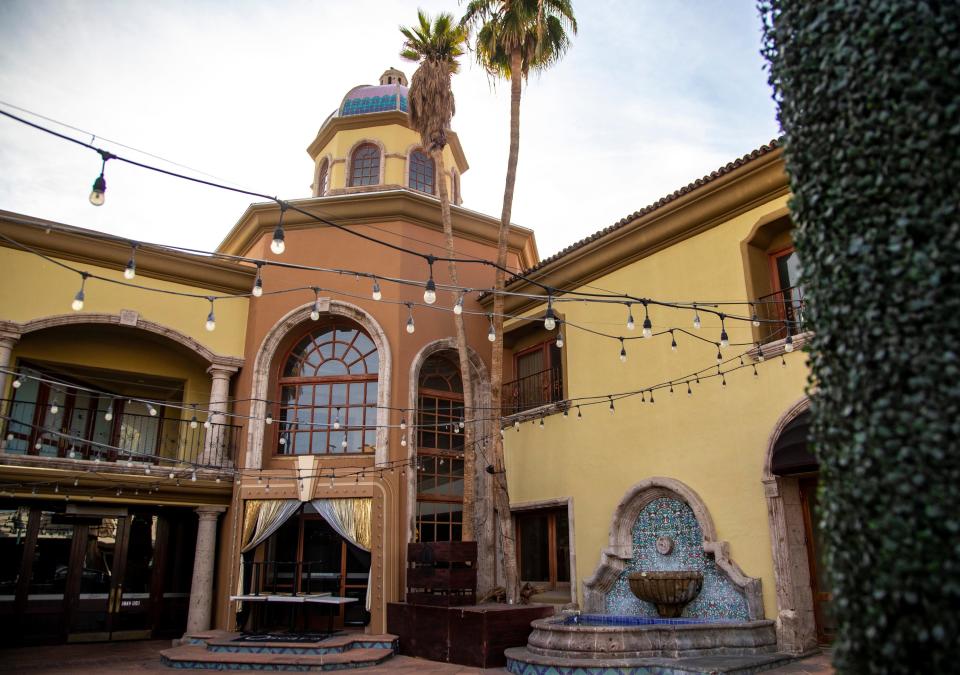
(772, 270)
(440, 449)
(327, 391)
(422, 174)
(322, 183)
(803, 592)
(365, 165)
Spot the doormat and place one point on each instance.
(284, 637)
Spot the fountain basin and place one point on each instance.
(602, 637)
(669, 591)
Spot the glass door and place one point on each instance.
(108, 586)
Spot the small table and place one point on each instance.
(294, 601)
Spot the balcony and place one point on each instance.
(782, 313)
(85, 433)
(532, 391)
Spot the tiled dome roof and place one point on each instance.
(390, 94)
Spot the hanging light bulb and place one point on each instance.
(689, 390)
(193, 477)
(343, 443)
(54, 408)
(549, 319)
(170, 475)
(333, 477)
(108, 415)
(579, 413)
(559, 339)
(269, 419)
(541, 423)
(612, 409)
(647, 325)
(403, 424)
(623, 351)
(566, 413)
(411, 327)
(211, 324)
(403, 441)
(376, 294)
(100, 184)
(193, 418)
(77, 303)
(516, 424)
(631, 324)
(430, 291)
(315, 312)
(724, 338)
(760, 356)
(719, 355)
(696, 317)
(671, 387)
(754, 319)
(673, 342)
(151, 410)
(755, 373)
(130, 271)
(651, 396)
(258, 284)
(206, 423)
(458, 307)
(491, 334)
(788, 344)
(72, 453)
(336, 421)
(76, 482)
(277, 245)
(17, 383)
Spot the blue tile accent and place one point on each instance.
(719, 598)
(372, 104)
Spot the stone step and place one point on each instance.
(198, 657)
(332, 645)
(521, 661)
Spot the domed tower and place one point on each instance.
(367, 145)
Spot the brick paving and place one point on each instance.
(144, 657)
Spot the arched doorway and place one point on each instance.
(791, 480)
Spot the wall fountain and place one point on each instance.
(666, 598)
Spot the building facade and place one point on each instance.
(152, 470)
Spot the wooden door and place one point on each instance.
(819, 583)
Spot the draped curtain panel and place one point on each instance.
(351, 519)
(261, 518)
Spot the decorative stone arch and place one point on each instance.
(264, 362)
(317, 188)
(349, 159)
(481, 399)
(130, 319)
(408, 156)
(614, 559)
(796, 626)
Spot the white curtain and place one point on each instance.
(345, 518)
(261, 518)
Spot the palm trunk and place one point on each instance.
(469, 416)
(500, 492)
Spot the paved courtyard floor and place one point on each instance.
(144, 657)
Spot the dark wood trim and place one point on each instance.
(26, 561)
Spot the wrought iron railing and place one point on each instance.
(532, 391)
(781, 312)
(84, 433)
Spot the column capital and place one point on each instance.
(219, 370)
(9, 339)
(209, 512)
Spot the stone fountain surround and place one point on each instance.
(615, 559)
(553, 644)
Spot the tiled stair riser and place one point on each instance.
(274, 667)
(273, 649)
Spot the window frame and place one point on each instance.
(323, 178)
(363, 145)
(553, 556)
(433, 171)
(282, 426)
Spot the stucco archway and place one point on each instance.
(614, 559)
(796, 627)
(481, 399)
(264, 361)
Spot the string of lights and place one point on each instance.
(278, 245)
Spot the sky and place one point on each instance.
(651, 96)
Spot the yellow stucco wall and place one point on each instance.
(714, 441)
(397, 142)
(37, 288)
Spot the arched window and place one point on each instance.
(328, 392)
(440, 449)
(323, 179)
(421, 172)
(365, 165)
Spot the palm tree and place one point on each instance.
(513, 38)
(436, 45)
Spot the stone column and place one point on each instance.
(216, 436)
(8, 341)
(201, 590)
